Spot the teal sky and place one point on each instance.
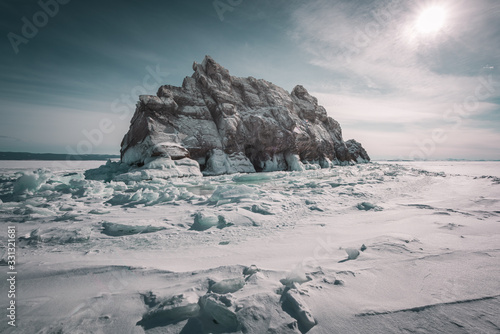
(401, 91)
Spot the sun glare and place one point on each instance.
(431, 20)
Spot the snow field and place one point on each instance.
(371, 248)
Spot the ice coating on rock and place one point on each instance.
(152, 168)
(230, 124)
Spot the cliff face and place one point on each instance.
(230, 124)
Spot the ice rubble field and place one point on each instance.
(371, 248)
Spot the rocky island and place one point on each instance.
(227, 124)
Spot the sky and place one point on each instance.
(407, 79)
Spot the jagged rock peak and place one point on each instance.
(231, 124)
(209, 66)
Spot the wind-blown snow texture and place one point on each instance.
(229, 124)
(369, 248)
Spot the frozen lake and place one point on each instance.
(472, 168)
(373, 248)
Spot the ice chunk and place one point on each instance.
(203, 222)
(297, 308)
(312, 166)
(260, 210)
(250, 270)
(65, 217)
(99, 212)
(32, 238)
(33, 212)
(366, 206)
(173, 310)
(148, 197)
(131, 199)
(30, 181)
(57, 235)
(229, 285)
(215, 310)
(232, 194)
(255, 317)
(352, 253)
(66, 207)
(316, 208)
(117, 230)
(255, 178)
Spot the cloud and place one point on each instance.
(376, 48)
(386, 74)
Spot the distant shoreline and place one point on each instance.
(18, 156)
(55, 156)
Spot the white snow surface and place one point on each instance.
(370, 248)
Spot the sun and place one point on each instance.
(431, 20)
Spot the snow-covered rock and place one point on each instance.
(356, 151)
(230, 124)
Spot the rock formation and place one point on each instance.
(229, 124)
